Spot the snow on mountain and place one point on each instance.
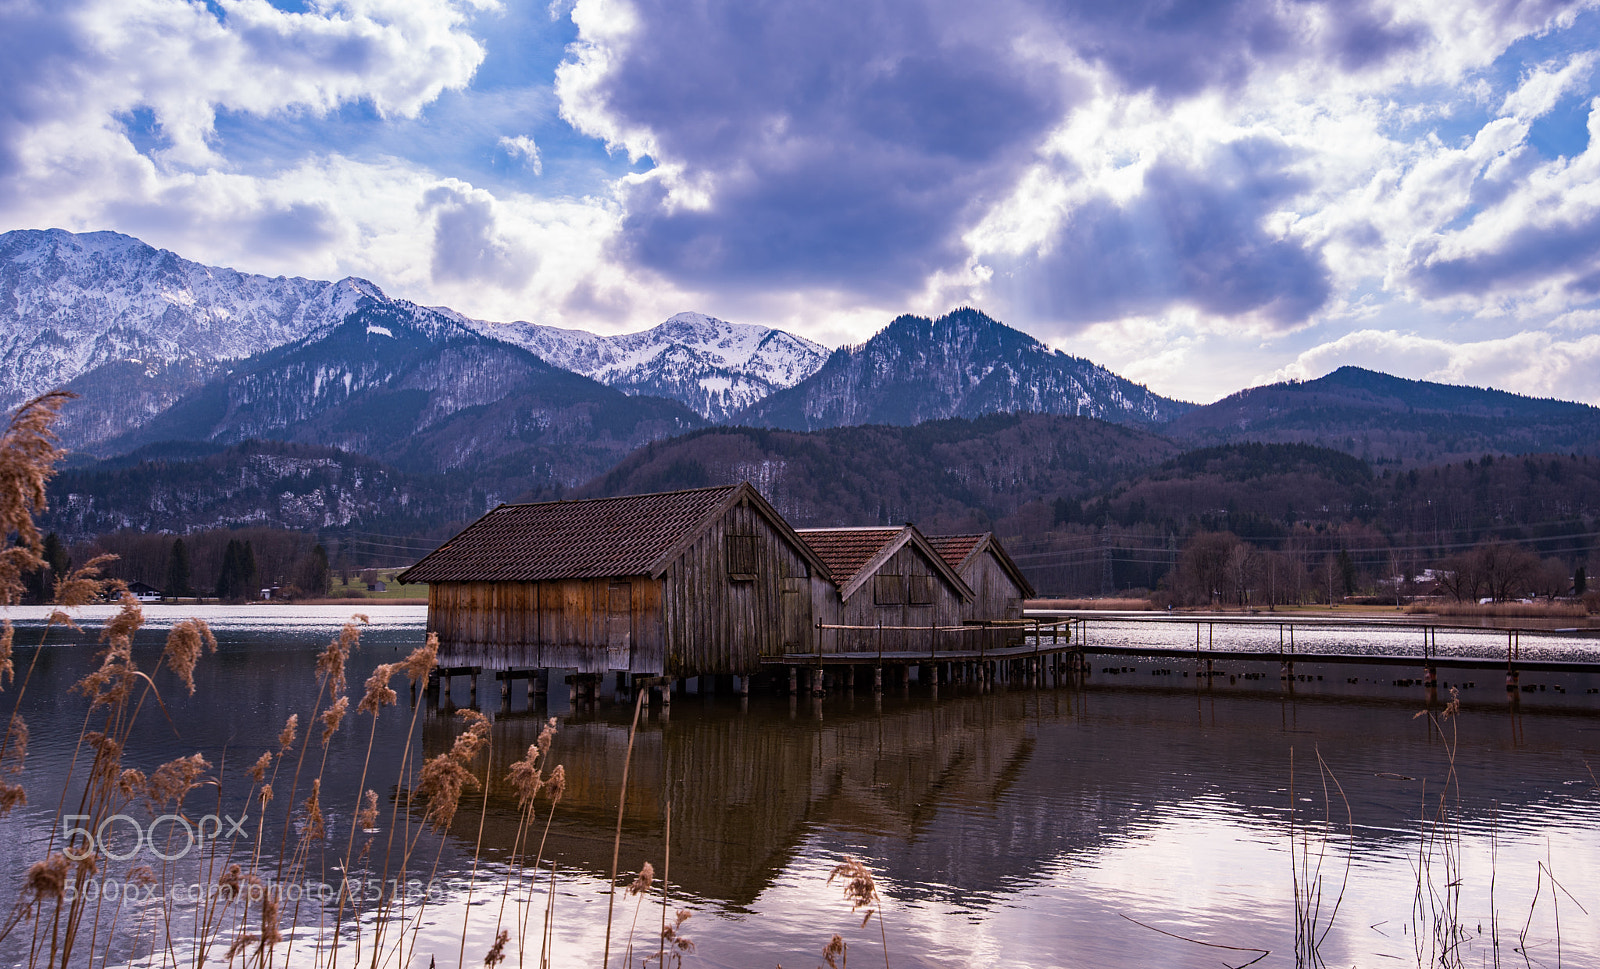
(715, 367)
(963, 364)
(72, 303)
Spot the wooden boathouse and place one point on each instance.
(686, 583)
(893, 590)
(998, 585)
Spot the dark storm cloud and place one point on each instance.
(1531, 254)
(847, 144)
(851, 145)
(1190, 237)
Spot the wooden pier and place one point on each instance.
(1032, 649)
(1042, 650)
(1205, 647)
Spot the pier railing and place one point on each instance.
(884, 642)
(1206, 644)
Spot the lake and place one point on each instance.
(1137, 819)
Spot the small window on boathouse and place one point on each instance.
(889, 589)
(741, 557)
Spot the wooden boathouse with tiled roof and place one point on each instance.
(686, 583)
(998, 585)
(893, 589)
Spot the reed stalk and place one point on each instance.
(616, 844)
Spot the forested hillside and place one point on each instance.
(993, 472)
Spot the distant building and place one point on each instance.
(144, 592)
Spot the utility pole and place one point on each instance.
(1106, 586)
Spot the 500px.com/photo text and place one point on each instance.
(352, 890)
(178, 835)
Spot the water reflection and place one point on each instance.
(1017, 827)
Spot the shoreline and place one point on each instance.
(1293, 613)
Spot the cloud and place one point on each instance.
(1187, 174)
(796, 148)
(1533, 234)
(523, 147)
(74, 69)
(869, 149)
(1539, 363)
(466, 244)
(1190, 236)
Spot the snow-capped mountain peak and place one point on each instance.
(714, 366)
(72, 303)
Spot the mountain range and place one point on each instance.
(177, 362)
(717, 368)
(963, 364)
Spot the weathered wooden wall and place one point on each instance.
(591, 625)
(907, 567)
(719, 620)
(998, 597)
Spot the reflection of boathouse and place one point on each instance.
(710, 581)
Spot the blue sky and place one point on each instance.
(1199, 194)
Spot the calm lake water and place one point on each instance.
(1145, 819)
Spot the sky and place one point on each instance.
(1201, 195)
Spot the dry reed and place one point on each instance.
(1087, 605)
(1501, 610)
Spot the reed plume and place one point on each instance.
(332, 717)
(378, 694)
(187, 640)
(12, 754)
(28, 458)
(445, 777)
(290, 729)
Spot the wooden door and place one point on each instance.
(796, 615)
(619, 625)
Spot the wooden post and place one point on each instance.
(877, 680)
(794, 680)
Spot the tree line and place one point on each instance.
(1220, 568)
(226, 564)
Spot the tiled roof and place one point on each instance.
(954, 549)
(846, 550)
(571, 539)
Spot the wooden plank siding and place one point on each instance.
(906, 567)
(562, 623)
(998, 597)
(725, 602)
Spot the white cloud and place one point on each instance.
(184, 63)
(1538, 363)
(524, 148)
